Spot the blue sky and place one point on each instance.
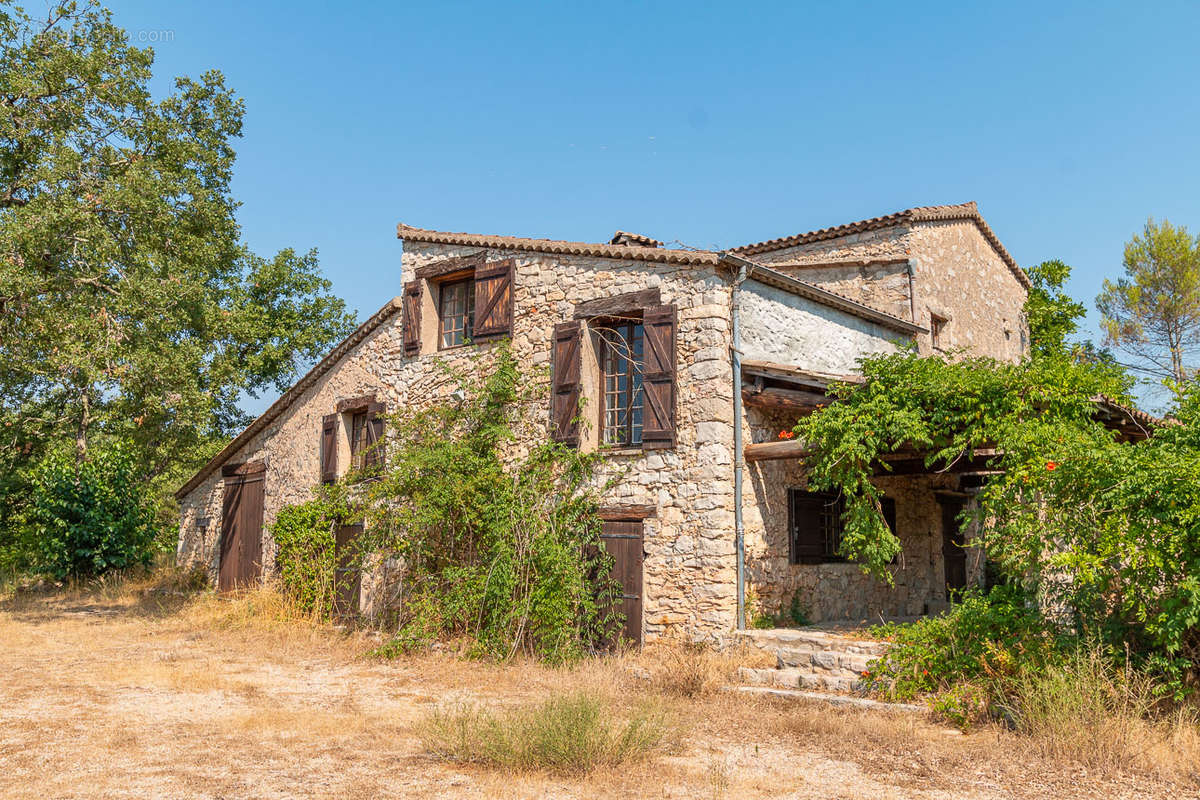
(711, 124)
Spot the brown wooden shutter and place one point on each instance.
(329, 448)
(658, 380)
(412, 318)
(807, 539)
(493, 299)
(375, 437)
(566, 382)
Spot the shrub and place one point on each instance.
(87, 517)
(570, 734)
(307, 558)
(500, 545)
(983, 638)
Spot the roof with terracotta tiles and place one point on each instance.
(625, 237)
(622, 251)
(963, 211)
(762, 273)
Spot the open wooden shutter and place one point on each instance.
(566, 382)
(806, 539)
(375, 438)
(658, 380)
(412, 318)
(493, 299)
(329, 448)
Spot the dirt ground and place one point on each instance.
(149, 696)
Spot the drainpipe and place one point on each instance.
(912, 290)
(739, 461)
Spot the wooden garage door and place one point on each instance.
(622, 539)
(241, 525)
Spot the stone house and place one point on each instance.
(688, 364)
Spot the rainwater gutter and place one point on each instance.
(743, 267)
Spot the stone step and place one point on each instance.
(823, 660)
(811, 639)
(791, 678)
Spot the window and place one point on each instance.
(456, 312)
(358, 439)
(937, 331)
(816, 528)
(621, 364)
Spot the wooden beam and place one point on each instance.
(765, 451)
(771, 397)
(627, 512)
(621, 304)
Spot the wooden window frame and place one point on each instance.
(451, 281)
(937, 331)
(359, 420)
(832, 525)
(599, 328)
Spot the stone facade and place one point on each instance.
(689, 539)
(958, 276)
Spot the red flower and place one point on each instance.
(1051, 466)
(787, 435)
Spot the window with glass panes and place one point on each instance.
(622, 363)
(358, 439)
(456, 312)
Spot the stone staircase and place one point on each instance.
(810, 658)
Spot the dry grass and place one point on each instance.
(1088, 712)
(568, 734)
(686, 669)
(133, 690)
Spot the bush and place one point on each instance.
(571, 734)
(88, 517)
(307, 559)
(983, 638)
(499, 545)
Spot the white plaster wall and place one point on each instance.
(782, 327)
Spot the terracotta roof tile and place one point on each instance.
(622, 251)
(963, 211)
(625, 237)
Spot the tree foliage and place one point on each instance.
(1153, 313)
(91, 517)
(129, 308)
(1106, 533)
(1052, 314)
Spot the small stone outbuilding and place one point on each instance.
(645, 337)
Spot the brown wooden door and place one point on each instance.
(348, 576)
(954, 556)
(622, 539)
(241, 526)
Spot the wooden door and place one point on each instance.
(954, 556)
(347, 575)
(622, 539)
(241, 526)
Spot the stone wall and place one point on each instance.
(961, 277)
(875, 272)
